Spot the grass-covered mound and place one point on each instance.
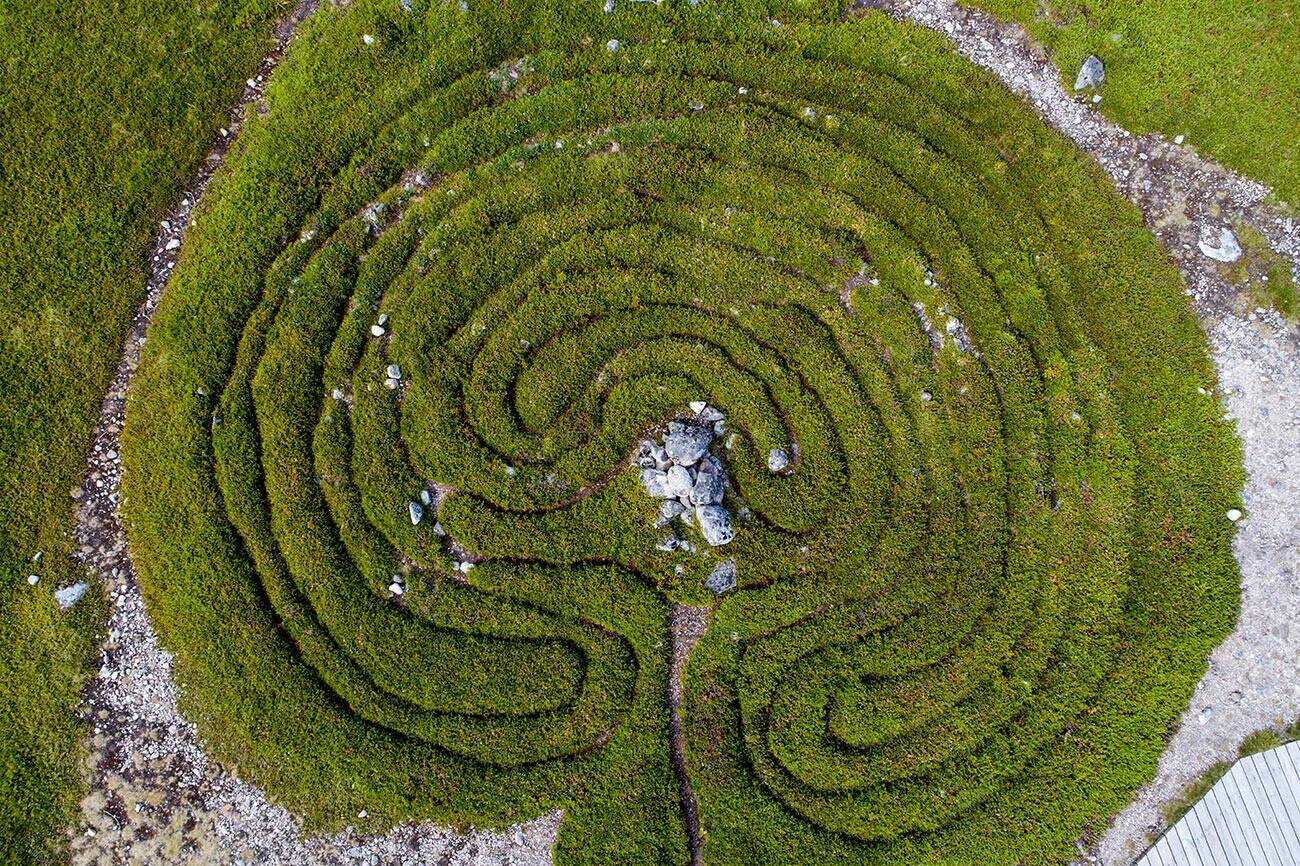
(966, 616)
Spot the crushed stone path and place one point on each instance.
(155, 796)
(1253, 680)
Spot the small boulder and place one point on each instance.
(777, 460)
(715, 524)
(1091, 74)
(416, 512)
(1227, 251)
(722, 578)
(686, 443)
(70, 595)
(679, 482)
(655, 482)
(708, 484)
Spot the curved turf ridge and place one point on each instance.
(964, 621)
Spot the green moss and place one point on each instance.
(1260, 741)
(963, 621)
(1224, 73)
(107, 108)
(1267, 275)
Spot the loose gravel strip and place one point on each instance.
(1252, 681)
(155, 797)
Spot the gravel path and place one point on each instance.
(156, 798)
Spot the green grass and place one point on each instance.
(965, 621)
(105, 112)
(1224, 73)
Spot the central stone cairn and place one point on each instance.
(692, 482)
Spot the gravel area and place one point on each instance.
(156, 798)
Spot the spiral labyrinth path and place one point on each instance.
(380, 481)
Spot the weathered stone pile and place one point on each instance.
(691, 481)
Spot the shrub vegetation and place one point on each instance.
(964, 621)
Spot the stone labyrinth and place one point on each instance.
(384, 451)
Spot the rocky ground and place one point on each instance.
(156, 798)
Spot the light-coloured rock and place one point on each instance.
(715, 524)
(1228, 249)
(394, 371)
(777, 460)
(708, 487)
(1091, 74)
(655, 482)
(722, 578)
(685, 444)
(678, 482)
(70, 595)
(416, 512)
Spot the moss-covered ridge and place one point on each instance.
(964, 620)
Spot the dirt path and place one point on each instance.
(687, 624)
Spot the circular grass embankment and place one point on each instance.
(965, 619)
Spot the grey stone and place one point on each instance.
(394, 371)
(1091, 74)
(69, 595)
(708, 484)
(416, 511)
(1228, 249)
(715, 524)
(679, 482)
(686, 443)
(669, 509)
(777, 459)
(722, 578)
(655, 482)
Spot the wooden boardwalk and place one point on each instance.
(1250, 818)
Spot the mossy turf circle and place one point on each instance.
(965, 617)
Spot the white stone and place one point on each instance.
(395, 588)
(1228, 249)
(777, 460)
(368, 39)
(377, 330)
(1234, 514)
(394, 371)
(69, 595)
(33, 579)
(416, 512)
